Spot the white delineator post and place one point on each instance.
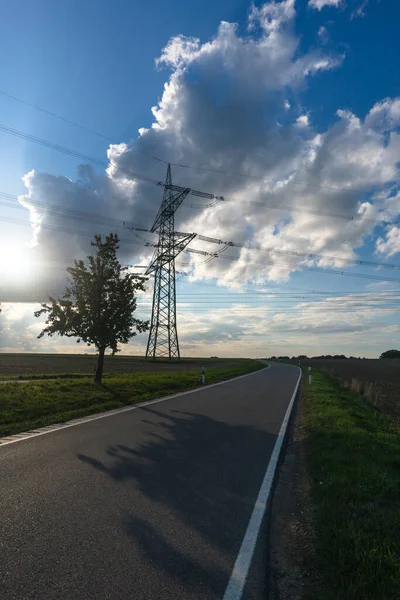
(203, 375)
(309, 376)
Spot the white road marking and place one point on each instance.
(240, 571)
(27, 435)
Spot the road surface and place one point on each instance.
(148, 504)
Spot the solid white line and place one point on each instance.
(240, 571)
(28, 435)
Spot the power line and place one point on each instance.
(266, 306)
(310, 255)
(100, 162)
(64, 229)
(263, 178)
(110, 221)
(218, 255)
(179, 165)
(80, 126)
(307, 292)
(286, 298)
(289, 304)
(57, 209)
(297, 312)
(288, 208)
(320, 270)
(215, 199)
(304, 267)
(211, 256)
(72, 213)
(283, 297)
(71, 152)
(291, 288)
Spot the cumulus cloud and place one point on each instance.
(225, 107)
(390, 244)
(384, 115)
(231, 106)
(302, 121)
(18, 330)
(320, 4)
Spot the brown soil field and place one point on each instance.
(48, 364)
(376, 379)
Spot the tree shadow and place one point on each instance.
(204, 473)
(173, 561)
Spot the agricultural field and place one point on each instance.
(38, 401)
(376, 379)
(34, 365)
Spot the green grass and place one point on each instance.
(24, 406)
(353, 456)
(36, 376)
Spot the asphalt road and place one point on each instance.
(149, 504)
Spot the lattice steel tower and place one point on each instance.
(163, 337)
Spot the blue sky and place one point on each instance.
(59, 56)
(63, 54)
(94, 63)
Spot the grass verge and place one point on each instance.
(44, 376)
(24, 406)
(353, 457)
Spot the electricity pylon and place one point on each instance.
(163, 337)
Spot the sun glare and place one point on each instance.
(16, 265)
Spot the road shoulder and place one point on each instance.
(291, 530)
(334, 525)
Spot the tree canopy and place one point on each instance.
(390, 354)
(98, 304)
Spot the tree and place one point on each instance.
(98, 303)
(390, 354)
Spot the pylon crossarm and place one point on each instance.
(159, 260)
(169, 207)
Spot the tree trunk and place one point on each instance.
(100, 363)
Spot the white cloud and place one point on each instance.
(18, 329)
(262, 325)
(384, 115)
(320, 4)
(232, 104)
(225, 107)
(302, 121)
(323, 34)
(390, 244)
(272, 15)
(360, 10)
(179, 51)
(263, 328)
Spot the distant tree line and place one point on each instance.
(305, 357)
(387, 354)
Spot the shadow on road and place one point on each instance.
(204, 476)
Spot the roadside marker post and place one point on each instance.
(203, 375)
(309, 376)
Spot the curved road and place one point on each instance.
(148, 504)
